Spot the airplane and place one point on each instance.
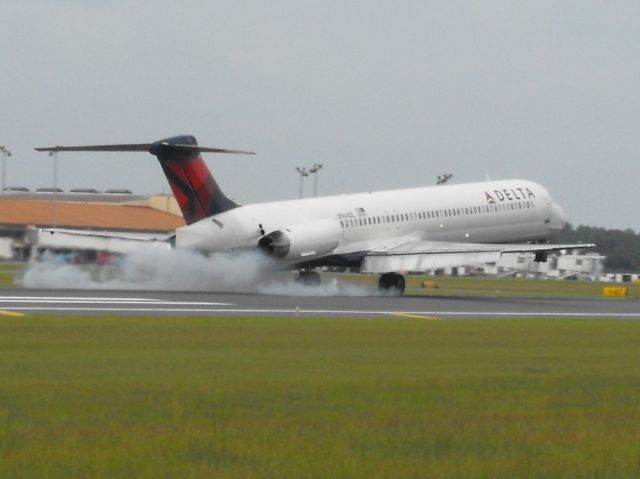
(387, 232)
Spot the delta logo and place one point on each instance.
(508, 194)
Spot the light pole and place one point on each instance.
(5, 153)
(314, 169)
(54, 210)
(303, 172)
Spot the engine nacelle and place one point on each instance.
(303, 241)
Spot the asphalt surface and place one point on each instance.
(18, 302)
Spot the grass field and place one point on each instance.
(501, 287)
(476, 286)
(8, 273)
(326, 398)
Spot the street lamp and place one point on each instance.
(5, 153)
(314, 169)
(303, 172)
(54, 210)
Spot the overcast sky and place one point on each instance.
(383, 94)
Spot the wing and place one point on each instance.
(416, 255)
(96, 240)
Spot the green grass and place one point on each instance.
(339, 398)
(449, 285)
(8, 273)
(501, 287)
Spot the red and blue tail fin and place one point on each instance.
(193, 186)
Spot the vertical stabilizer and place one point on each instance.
(193, 186)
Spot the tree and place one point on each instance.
(621, 247)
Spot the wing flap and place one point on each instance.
(416, 255)
(424, 262)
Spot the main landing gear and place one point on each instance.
(392, 284)
(308, 278)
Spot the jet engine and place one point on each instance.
(303, 241)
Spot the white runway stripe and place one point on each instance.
(102, 301)
(215, 311)
(9, 300)
(86, 298)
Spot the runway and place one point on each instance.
(20, 302)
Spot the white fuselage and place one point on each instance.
(487, 212)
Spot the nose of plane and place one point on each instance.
(558, 217)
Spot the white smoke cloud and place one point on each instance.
(181, 270)
(330, 287)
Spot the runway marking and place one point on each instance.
(320, 312)
(86, 298)
(80, 301)
(101, 300)
(13, 314)
(415, 316)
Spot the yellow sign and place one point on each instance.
(616, 292)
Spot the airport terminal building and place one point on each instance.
(23, 213)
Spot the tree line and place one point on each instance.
(621, 247)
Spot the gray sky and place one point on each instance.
(384, 94)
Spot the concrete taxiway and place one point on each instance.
(18, 302)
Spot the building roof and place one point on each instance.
(40, 213)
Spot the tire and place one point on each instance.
(308, 278)
(392, 284)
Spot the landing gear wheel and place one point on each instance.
(392, 284)
(308, 278)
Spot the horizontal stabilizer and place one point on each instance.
(193, 186)
(145, 147)
(126, 147)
